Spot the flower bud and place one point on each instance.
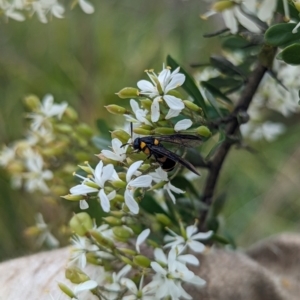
(106, 160)
(66, 290)
(127, 251)
(223, 5)
(297, 5)
(75, 275)
(157, 186)
(85, 130)
(93, 259)
(15, 167)
(116, 109)
(103, 241)
(128, 92)
(192, 106)
(82, 155)
(119, 198)
(121, 233)
(32, 102)
(176, 94)
(59, 190)
(142, 261)
(146, 104)
(72, 197)
(120, 134)
(119, 184)
(64, 128)
(162, 218)
(117, 213)
(81, 223)
(87, 169)
(141, 131)
(113, 221)
(163, 130)
(145, 126)
(71, 113)
(126, 260)
(203, 131)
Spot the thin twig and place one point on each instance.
(232, 126)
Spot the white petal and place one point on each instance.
(160, 255)
(145, 85)
(174, 102)
(202, 235)
(134, 105)
(87, 285)
(230, 20)
(266, 9)
(183, 124)
(82, 189)
(104, 201)
(111, 155)
(87, 7)
(131, 203)
(246, 22)
(83, 204)
(141, 238)
(197, 280)
(172, 113)
(130, 285)
(176, 81)
(196, 246)
(158, 268)
(189, 259)
(171, 196)
(111, 195)
(141, 181)
(132, 169)
(190, 230)
(155, 113)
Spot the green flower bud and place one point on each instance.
(85, 130)
(118, 214)
(106, 160)
(64, 128)
(66, 290)
(122, 176)
(72, 197)
(93, 259)
(116, 109)
(144, 167)
(99, 238)
(141, 131)
(145, 126)
(92, 184)
(113, 221)
(162, 218)
(175, 93)
(82, 155)
(127, 251)
(59, 189)
(192, 106)
(223, 5)
(86, 169)
(81, 223)
(142, 261)
(126, 260)
(120, 134)
(15, 167)
(146, 104)
(128, 92)
(119, 198)
(71, 113)
(163, 130)
(157, 186)
(119, 184)
(297, 5)
(204, 131)
(121, 233)
(75, 275)
(32, 102)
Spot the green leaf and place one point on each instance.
(235, 42)
(281, 34)
(189, 85)
(217, 93)
(150, 205)
(291, 54)
(101, 142)
(184, 184)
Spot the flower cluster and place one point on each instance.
(17, 9)
(165, 271)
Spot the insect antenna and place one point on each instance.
(131, 133)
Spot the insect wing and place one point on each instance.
(160, 150)
(186, 140)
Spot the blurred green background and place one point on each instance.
(85, 59)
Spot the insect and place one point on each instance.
(151, 146)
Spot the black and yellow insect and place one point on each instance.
(152, 146)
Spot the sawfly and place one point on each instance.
(152, 146)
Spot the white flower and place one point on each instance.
(7, 154)
(138, 182)
(140, 114)
(141, 238)
(183, 125)
(141, 293)
(85, 286)
(190, 239)
(158, 89)
(45, 236)
(118, 153)
(268, 130)
(169, 277)
(81, 245)
(46, 110)
(100, 176)
(35, 177)
(233, 15)
(160, 175)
